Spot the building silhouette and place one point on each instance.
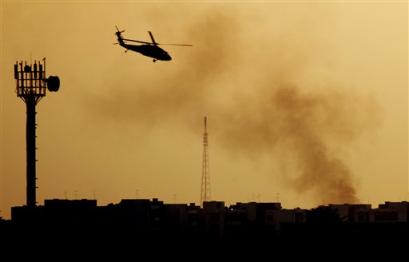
(153, 220)
(140, 228)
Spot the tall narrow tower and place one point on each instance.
(205, 186)
(31, 87)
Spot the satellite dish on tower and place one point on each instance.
(53, 83)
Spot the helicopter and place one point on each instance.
(149, 49)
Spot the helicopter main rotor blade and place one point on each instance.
(176, 44)
(137, 41)
(153, 39)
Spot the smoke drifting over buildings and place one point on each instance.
(273, 107)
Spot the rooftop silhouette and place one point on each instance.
(156, 220)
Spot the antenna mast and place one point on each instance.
(205, 185)
(31, 86)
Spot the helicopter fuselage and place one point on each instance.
(153, 51)
(149, 49)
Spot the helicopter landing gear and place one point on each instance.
(154, 60)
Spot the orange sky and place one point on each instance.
(289, 88)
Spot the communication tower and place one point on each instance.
(205, 185)
(31, 88)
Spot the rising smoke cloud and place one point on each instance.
(258, 111)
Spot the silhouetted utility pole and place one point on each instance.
(205, 185)
(31, 87)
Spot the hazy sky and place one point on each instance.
(307, 101)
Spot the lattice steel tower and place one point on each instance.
(205, 186)
(31, 87)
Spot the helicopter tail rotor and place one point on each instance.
(119, 31)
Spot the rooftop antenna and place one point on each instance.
(31, 86)
(174, 197)
(136, 193)
(205, 185)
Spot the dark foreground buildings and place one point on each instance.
(152, 221)
(145, 230)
